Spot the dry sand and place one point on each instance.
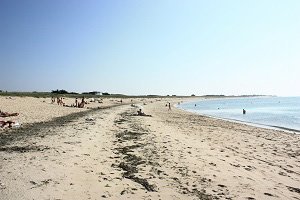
(41, 109)
(110, 153)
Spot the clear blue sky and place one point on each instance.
(151, 46)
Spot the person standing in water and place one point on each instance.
(244, 111)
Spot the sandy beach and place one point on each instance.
(105, 151)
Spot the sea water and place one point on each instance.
(278, 112)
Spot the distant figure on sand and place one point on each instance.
(76, 102)
(169, 106)
(244, 111)
(3, 124)
(6, 114)
(141, 113)
(81, 105)
(61, 102)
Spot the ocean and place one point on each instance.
(275, 112)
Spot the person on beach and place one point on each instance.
(81, 105)
(3, 124)
(61, 102)
(169, 106)
(141, 113)
(6, 114)
(76, 102)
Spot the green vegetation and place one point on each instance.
(64, 93)
(27, 94)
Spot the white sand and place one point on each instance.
(33, 110)
(171, 155)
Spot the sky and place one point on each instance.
(140, 47)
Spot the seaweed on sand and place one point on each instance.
(23, 149)
(36, 129)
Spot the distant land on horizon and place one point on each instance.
(96, 93)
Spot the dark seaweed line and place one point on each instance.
(130, 161)
(35, 129)
(23, 149)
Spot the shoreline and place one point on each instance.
(259, 125)
(264, 126)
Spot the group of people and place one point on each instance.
(59, 101)
(141, 113)
(81, 104)
(77, 104)
(168, 105)
(8, 123)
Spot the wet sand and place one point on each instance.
(111, 153)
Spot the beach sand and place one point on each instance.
(108, 152)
